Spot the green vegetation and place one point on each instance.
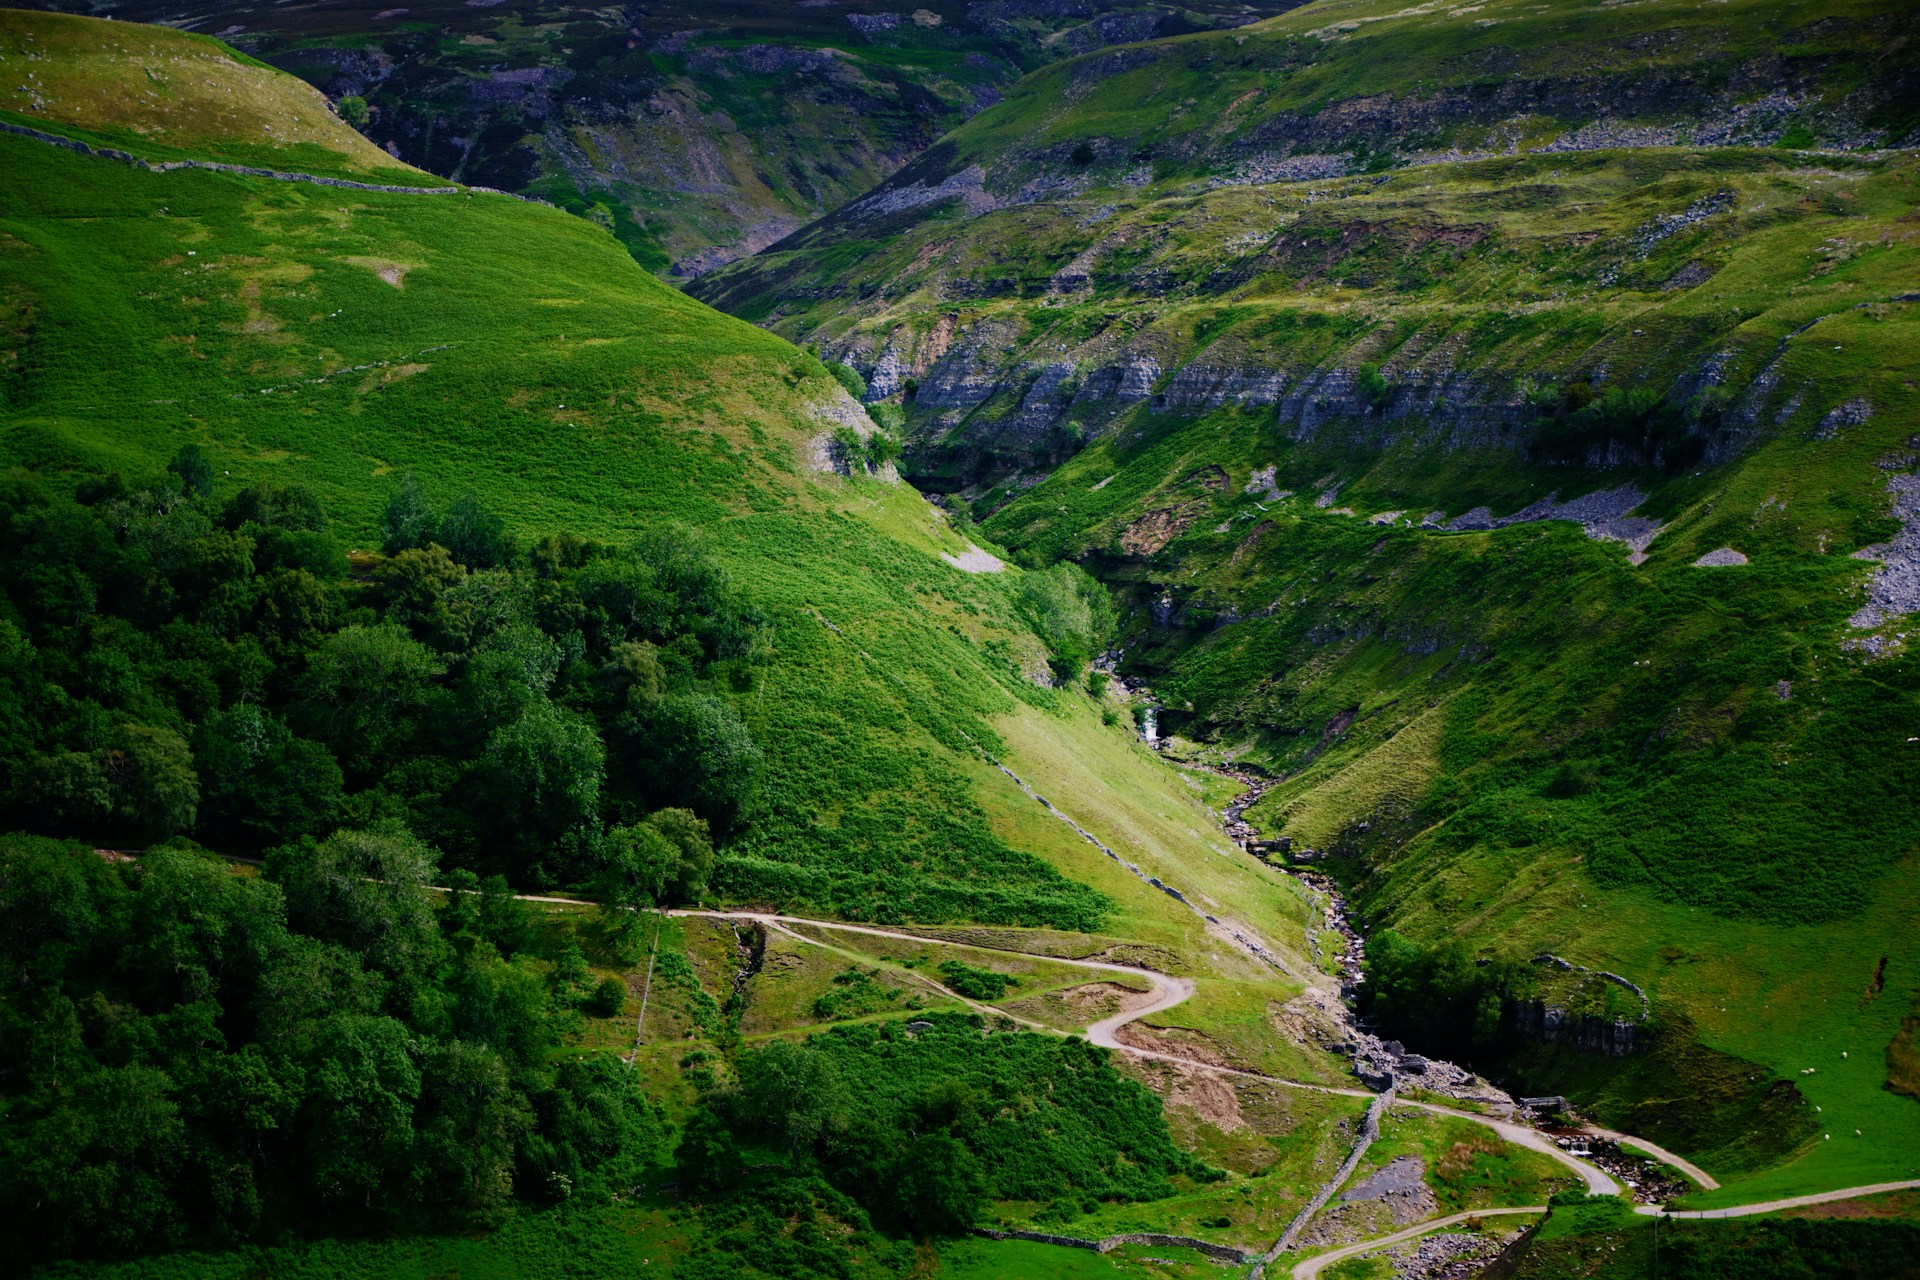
(429, 549)
(924, 1127)
(166, 95)
(783, 111)
(1465, 1165)
(1305, 308)
(708, 696)
(357, 530)
(196, 1057)
(1409, 87)
(1439, 998)
(532, 721)
(1071, 613)
(975, 984)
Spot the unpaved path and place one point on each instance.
(1599, 1181)
(1774, 1206)
(1321, 1261)
(1168, 991)
(1706, 1180)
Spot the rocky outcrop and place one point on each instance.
(1601, 514)
(632, 109)
(968, 187)
(1538, 1021)
(1894, 589)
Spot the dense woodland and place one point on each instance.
(178, 666)
(371, 1032)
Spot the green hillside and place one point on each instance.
(172, 96)
(1295, 335)
(695, 133)
(432, 651)
(435, 523)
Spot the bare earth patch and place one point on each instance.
(1177, 1042)
(1082, 1006)
(394, 273)
(1156, 529)
(974, 560)
(1208, 1096)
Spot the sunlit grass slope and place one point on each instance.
(166, 95)
(488, 343)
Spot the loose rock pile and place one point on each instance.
(1451, 1255)
(1643, 1178)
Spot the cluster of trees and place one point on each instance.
(921, 1130)
(172, 664)
(366, 1035)
(1439, 999)
(1070, 612)
(189, 1056)
(1630, 425)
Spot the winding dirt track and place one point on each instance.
(1774, 1206)
(1169, 991)
(1321, 1261)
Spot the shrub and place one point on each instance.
(882, 448)
(1373, 386)
(409, 519)
(608, 997)
(849, 377)
(1070, 612)
(975, 984)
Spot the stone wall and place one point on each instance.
(1218, 1252)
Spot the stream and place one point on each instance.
(1384, 1065)
(1337, 945)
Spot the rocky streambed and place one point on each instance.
(1339, 946)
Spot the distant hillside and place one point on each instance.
(695, 132)
(1500, 421)
(169, 95)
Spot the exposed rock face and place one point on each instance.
(1139, 230)
(1852, 413)
(968, 187)
(1602, 514)
(1538, 1020)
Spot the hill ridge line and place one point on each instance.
(216, 166)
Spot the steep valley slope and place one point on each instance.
(344, 339)
(1499, 422)
(222, 350)
(1524, 500)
